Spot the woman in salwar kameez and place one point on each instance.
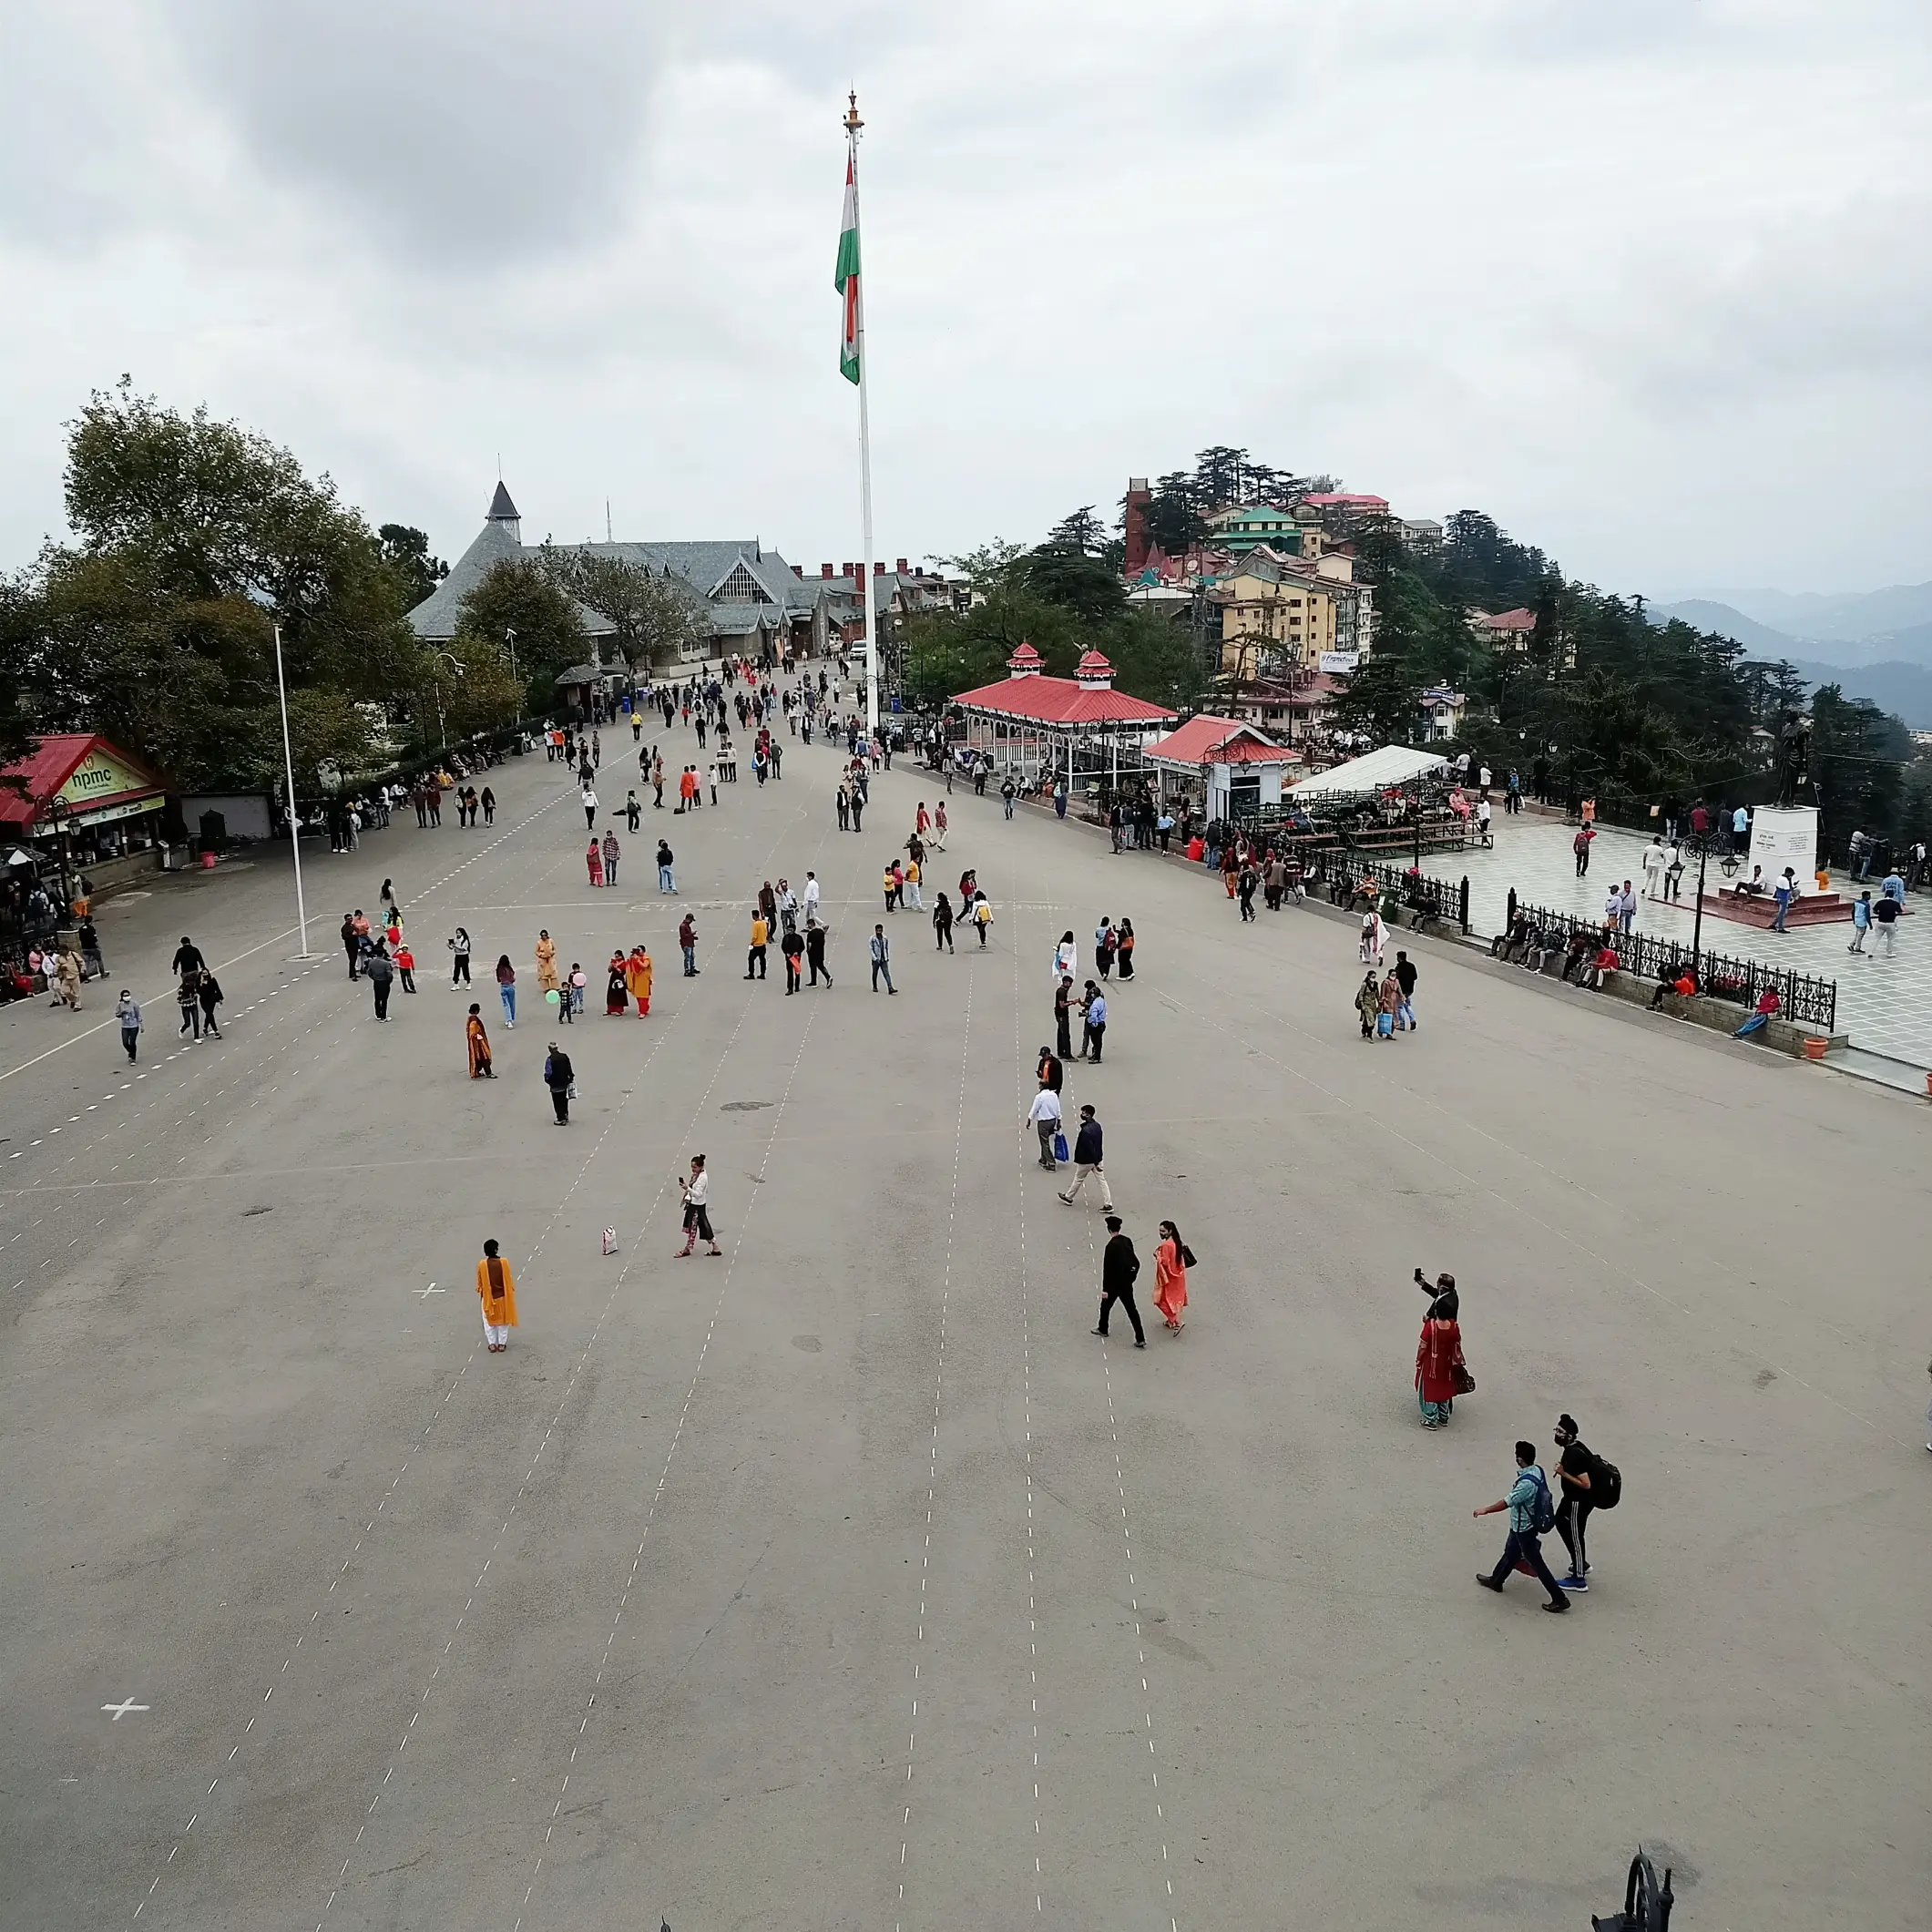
(546, 979)
(496, 1290)
(479, 1047)
(638, 972)
(616, 985)
(593, 859)
(1436, 1357)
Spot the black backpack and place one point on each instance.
(1606, 1483)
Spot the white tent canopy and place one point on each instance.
(1394, 764)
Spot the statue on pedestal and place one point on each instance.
(1793, 759)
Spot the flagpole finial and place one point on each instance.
(853, 122)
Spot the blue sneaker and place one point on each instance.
(1579, 1584)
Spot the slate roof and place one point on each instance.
(699, 566)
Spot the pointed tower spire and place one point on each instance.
(501, 510)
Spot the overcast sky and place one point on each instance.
(1649, 282)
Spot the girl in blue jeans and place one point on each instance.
(506, 988)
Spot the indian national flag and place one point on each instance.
(845, 278)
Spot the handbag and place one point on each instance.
(1461, 1379)
(1060, 1144)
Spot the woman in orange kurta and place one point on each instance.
(496, 1290)
(1170, 1276)
(547, 979)
(636, 972)
(479, 1047)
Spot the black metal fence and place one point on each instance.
(1802, 998)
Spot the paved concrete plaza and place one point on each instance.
(1885, 1004)
(847, 1580)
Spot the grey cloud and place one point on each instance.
(453, 133)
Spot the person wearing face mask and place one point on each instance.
(1588, 1483)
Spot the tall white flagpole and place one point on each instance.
(288, 765)
(866, 594)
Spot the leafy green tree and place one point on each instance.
(518, 594)
(406, 551)
(1381, 700)
(655, 617)
(1081, 532)
(1859, 756)
(1079, 583)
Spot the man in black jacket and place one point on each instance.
(188, 957)
(556, 1078)
(1086, 1163)
(1118, 1266)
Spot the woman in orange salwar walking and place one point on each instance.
(479, 1047)
(1171, 1276)
(496, 1290)
(638, 972)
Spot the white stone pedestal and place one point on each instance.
(1784, 835)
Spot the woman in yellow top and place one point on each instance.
(636, 971)
(496, 1290)
(754, 960)
(546, 979)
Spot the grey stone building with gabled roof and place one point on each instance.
(754, 602)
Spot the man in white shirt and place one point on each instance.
(811, 901)
(1044, 1116)
(1654, 865)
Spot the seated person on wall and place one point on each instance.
(1602, 965)
(1673, 979)
(1754, 886)
(1577, 956)
(1540, 948)
(1510, 945)
(1766, 1010)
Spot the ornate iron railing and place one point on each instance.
(1802, 998)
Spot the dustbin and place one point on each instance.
(208, 862)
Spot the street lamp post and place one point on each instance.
(288, 765)
(59, 810)
(455, 665)
(510, 638)
(1697, 923)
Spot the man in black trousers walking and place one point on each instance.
(1118, 1266)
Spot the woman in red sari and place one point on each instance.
(1171, 1276)
(1438, 1355)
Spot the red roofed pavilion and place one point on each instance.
(1033, 725)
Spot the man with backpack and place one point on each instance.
(1532, 1516)
(1589, 1483)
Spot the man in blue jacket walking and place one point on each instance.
(1531, 1510)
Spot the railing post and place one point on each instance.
(1462, 906)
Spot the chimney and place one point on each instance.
(1138, 497)
(798, 569)
(878, 569)
(901, 566)
(824, 569)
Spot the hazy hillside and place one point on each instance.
(1884, 651)
(1844, 618)
(1904, 689)
(1759, 639)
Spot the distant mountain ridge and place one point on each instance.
(1843, 618)
(1904, 689)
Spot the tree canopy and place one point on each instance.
(1062, 600)
(192, 540)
